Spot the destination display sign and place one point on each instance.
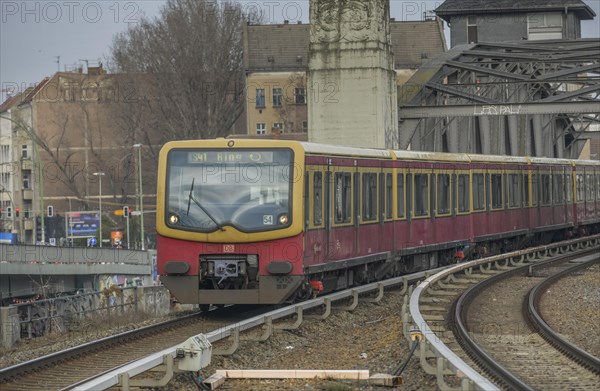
(212, 157)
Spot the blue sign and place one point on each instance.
(8, 238)
(82, 224)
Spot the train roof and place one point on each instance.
(326, 149)
(336, 150)
(373, 153)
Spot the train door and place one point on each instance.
(315, 215)
(408, 186)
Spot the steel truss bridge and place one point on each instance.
(527, 98)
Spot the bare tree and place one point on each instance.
(191, 59)
(293, 106)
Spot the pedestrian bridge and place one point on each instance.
(52, 260)
(45, 270)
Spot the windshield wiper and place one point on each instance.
(191, 198)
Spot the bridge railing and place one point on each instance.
(71, 255)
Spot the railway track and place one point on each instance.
(512, 351)
(451, 297)
(62, 369)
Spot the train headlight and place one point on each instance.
(174, 219)
(283, 219)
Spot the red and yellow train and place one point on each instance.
(268, 221)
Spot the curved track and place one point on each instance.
(491, 322)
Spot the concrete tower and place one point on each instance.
(351, 78)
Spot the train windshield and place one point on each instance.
(247, 189)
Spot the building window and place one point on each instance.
(278, 125)
(24, 151)
(277, 97)
(5, 182)
(260, 98)
(4, 154)
(25, 181)
(471, 29)
(261, 128)
(300, 95)
(305, 126)
(544, 26)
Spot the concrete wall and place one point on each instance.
(153, 300)
(9, 326)
(149, 300)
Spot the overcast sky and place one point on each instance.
(39, 37)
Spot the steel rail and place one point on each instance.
(496, 369)
(112, 378)
(16, 370)
(551, 336)
(453, 362)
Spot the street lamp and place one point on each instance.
(100, 175)
(141, 194)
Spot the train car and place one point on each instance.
(269, 221)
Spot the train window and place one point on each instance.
(443, 194)
(478, 192)
(464, 193)
(369, 197)
(514, 192)
(343, 197)
(388, 196)
(569, 187)
(318, 198)
(580, 188)
(525, 189)
(558, 186)
(590, 186)
(421, 194)
(496, 181)
(545, 189)
(535, 189)
(400, 195)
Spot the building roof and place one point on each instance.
(461, 7)
(284, 47)
(10, 102)
(276, 46)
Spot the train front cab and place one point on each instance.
(216, 259)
